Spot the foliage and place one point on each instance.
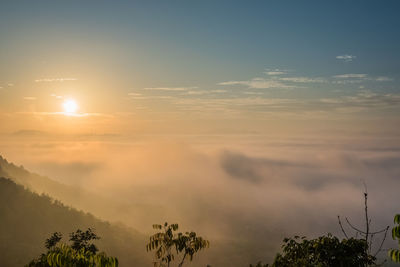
(53, 240)
(394, 254)
(81, 240)
(166, 243)
(324, 251)
(82, 253)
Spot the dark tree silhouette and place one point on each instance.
(323, 251)
(82, 252)
(167, 243)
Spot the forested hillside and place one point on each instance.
(129, 213)
(28, 218)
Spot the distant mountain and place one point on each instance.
(81, 198)
(27, 219)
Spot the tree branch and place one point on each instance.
(383, 240)
(341, 227)
(183, 259)
(366, 214)
(362, 232)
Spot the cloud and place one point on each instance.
(134, 94)
(169, 88)
(253, 93)
(259, 103)
(346, 58)
(251, 169)
(69, 172)
(363, 100)
(275, 81)
(260, 83)
(219, 91)
(29, 98)
(57, 96)
(357, 78)
(383, 79)
(275, 72)
(302, 80)
(351, 76)
(198, 92)
(49, 80)
(78, 115)
(243, 193)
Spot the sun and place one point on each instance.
(70, 106)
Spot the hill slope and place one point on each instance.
(27, 219)
(132, 214)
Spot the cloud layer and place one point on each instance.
(244, 191)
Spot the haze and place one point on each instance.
(246, 122)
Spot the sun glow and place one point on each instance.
(70, 106)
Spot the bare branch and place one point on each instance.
(341, 227)
(366, 214)
(356, 229)
(383, 241)
(362, 232)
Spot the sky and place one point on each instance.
(186, 67)
(273, 111)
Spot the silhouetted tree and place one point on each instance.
(323, 251)
(166, 242)
(82, 253)
(82, 239)
(53, 240)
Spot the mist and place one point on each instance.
(245, 194)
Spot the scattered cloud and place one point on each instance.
(383, 79)
(351, 76)
(302, 80)
(198, 92)
(260, 83)
(49, 80)
(358, 77)
(253, 93)
(219, 91)
(29, 98)
(275, 72)
(352, 81)
(363, 100)
(57, 96)
(169, 88)
(134, 94)
(346, 58)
